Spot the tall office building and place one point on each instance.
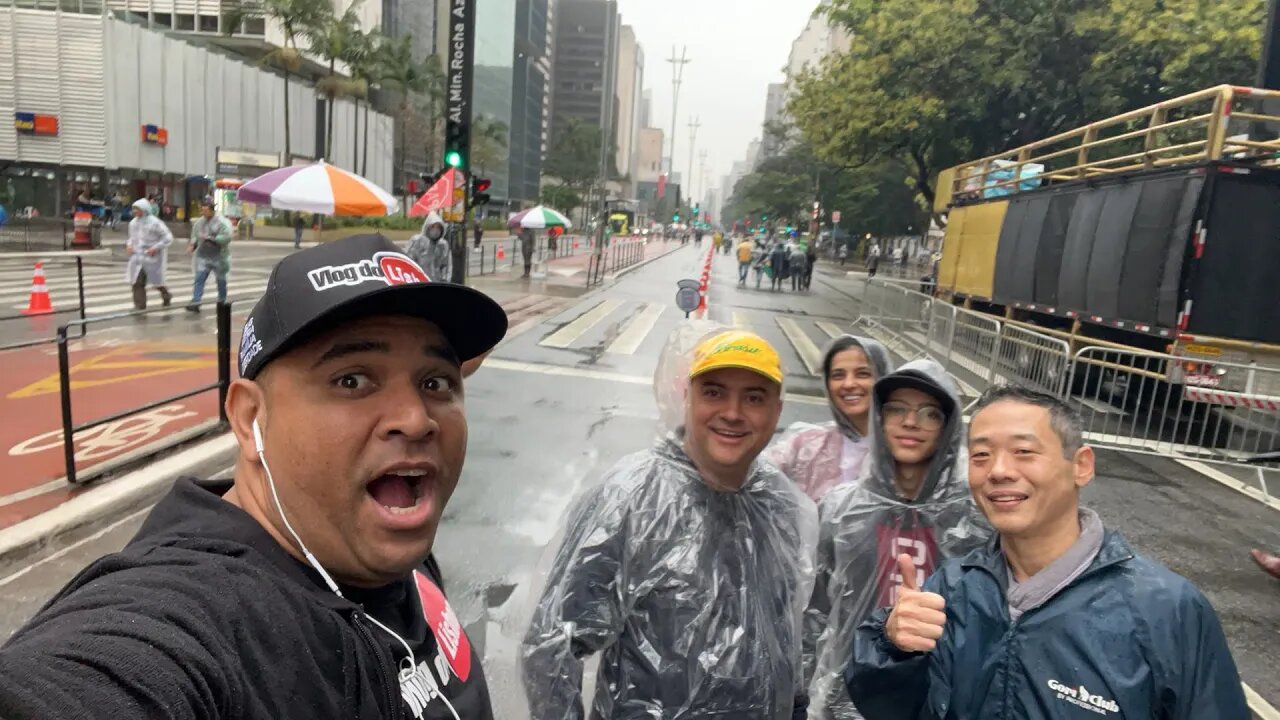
(586, 51)
(531, 81)
(491, 92)
(630, 87)
(774, 112)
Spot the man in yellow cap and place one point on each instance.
(687, 568)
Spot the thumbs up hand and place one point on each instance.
(918, 617)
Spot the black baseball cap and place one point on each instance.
(885, 386)
(361, 276)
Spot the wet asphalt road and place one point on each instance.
(547, 421)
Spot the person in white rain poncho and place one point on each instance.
(687, 569)
(149, 240)
(430, 249)
(912, 497)
(819, 457)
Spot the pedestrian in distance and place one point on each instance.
(745, 252)
(842, 254)
(148, 250)
(873, 259)
(910, 496)
(778, 265)
(687, 568)
(210, 247)
(759, 260)
(811, 260)
(430, 249)
(1057, 617)
(298, 226)
(820, 457)
(306, 587)
(527, 242)
(798, 264)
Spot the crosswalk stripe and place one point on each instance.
(636, 331)
(740, 321)
(565, 336)
(91, 300)
(808, 352)
(830, 329)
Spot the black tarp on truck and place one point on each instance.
(1193, 249)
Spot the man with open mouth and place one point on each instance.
(306, 589)
(687, 567)
(1056, 617)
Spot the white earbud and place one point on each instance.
(311, 559)
(257, 437)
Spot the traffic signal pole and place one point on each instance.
(459, 73)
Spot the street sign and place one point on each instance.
(687, 295)
(835, 216)
(458, 80)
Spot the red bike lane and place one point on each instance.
(108, 376)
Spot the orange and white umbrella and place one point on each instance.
(318, 188)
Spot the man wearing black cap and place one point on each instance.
(308, 590)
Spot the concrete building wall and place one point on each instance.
(629, 84)
(108, 78)
(649, 153)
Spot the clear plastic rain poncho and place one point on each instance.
(866, 525)
(692, 597)
(819, 457)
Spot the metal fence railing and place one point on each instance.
(7, 322)
(618, 255)
(33, 234)
(72, 430)
(1129, 399)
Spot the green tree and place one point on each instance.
(931, 83)
(561, 197)
(293, 17)
(408, 76)
(575, 156)
(338, 39)
(488, 141)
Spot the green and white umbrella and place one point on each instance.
(539, 218)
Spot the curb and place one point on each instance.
(36, 537)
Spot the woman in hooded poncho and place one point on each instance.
(912, 496)
(819, 457)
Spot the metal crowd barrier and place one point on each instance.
(1127, 402)
(69, 427)
(1124, 395)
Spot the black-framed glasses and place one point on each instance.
(928, 417)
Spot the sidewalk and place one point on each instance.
(563, 276)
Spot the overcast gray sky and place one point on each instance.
(738, 47)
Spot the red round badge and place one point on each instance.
(445, 625)
(399, 269)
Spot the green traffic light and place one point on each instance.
(453, 159)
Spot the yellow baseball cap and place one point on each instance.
(737, 349)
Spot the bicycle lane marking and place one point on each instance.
(104, 381)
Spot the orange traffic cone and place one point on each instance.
(502, 254)
(39, 304)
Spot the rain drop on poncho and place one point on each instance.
(691, 596)
(865, 525)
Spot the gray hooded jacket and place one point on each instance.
(820, 457)
(864, 527)
(692, 596)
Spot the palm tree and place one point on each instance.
(338, 39)
(366, 70)
(409, 76)
(488, 139)
(293, 16)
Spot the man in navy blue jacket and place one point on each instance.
(1056, 618)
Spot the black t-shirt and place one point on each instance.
(448, 681)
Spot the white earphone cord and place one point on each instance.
(311, 559)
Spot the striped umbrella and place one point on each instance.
(539, 218)
(318, 188)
